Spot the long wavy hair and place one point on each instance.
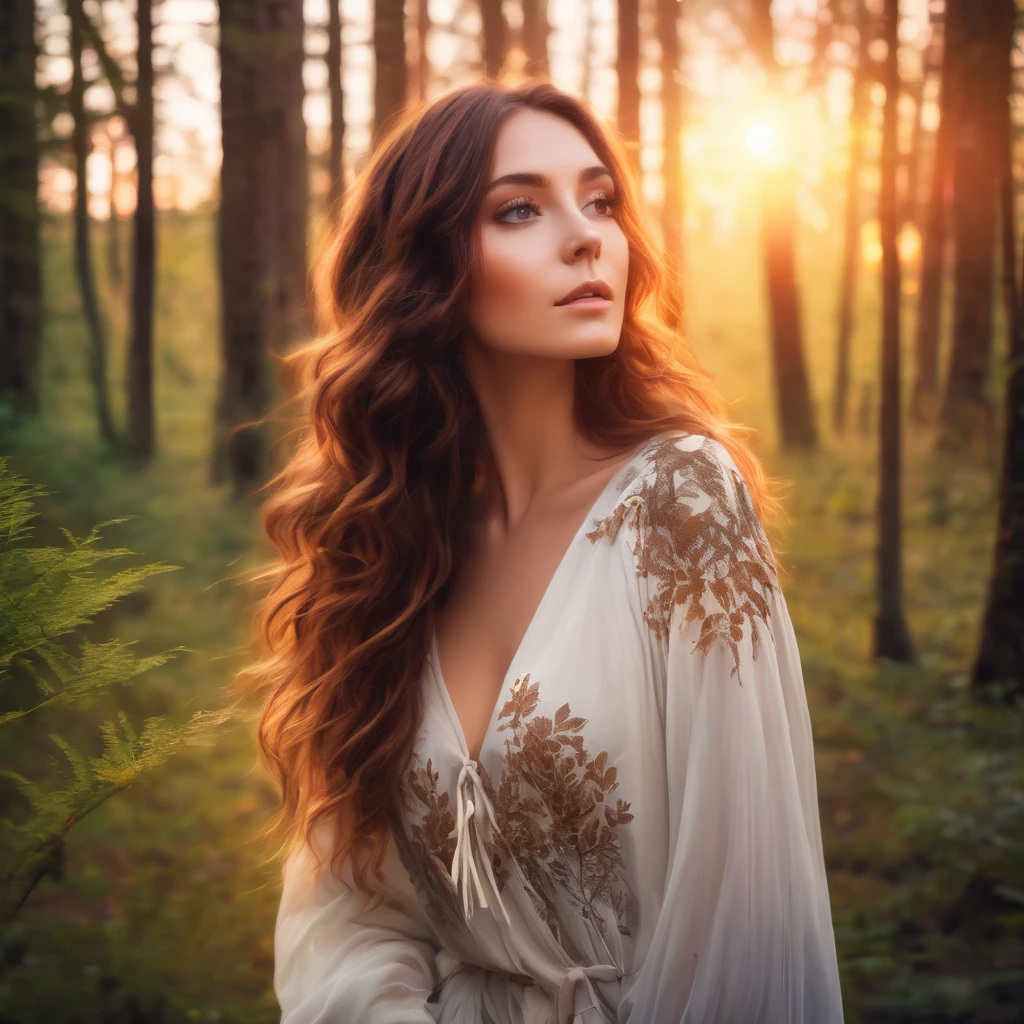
(366, 514)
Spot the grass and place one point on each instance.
(167, 906)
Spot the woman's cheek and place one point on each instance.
(511, 277)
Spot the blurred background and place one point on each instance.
(840, 183)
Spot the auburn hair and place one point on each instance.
(366, 512)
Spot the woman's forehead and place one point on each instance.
(541, 142)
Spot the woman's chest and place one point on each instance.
(548, 806)
(507, 596)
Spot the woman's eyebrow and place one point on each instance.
(536, 180)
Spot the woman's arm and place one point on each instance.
(744, 935)
(333, 964)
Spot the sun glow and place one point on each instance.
(761, 138)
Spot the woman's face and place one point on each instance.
(540, 239)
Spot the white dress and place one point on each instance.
(639, 841)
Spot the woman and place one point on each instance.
(527, 656)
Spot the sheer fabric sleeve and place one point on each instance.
(334, 963)
(744, 934)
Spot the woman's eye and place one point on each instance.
(523, 204)
(608, 201)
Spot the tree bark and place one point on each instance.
(966, 416)
(21, 303)
(627, 70)
(998, 671)
(284, 24)
(672, 210)
(263, 217)
(535, 38)
(852, 224)
(495, 37)
(246, 257)
(83, 252)
(423, 70)
(924, 397)
(141, 432)
(114, 267)
(336, 96)
(390, 85)
(588, 49)
(891, 637)
(778, 229)
(792, 389)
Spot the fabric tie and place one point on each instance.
(470, 843)
(563, 1007)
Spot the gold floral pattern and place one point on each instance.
(699, 543)
(553, 819)
(551, 810)
(427, 850)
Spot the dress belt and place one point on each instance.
(471, 841)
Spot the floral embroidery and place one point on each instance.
(551, 818)
(549, 808)
(429, 848)
(698, 543)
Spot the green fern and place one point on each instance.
(46, 593)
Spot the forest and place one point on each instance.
(840, 184)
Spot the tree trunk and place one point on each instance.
(337, 100)
(966, 416)
(246, 256)
(283, 97)
(535, 38)
(588, 49)
(627, 71)
(262, 258)
(778, 229)
(21, 304)
(422, 54)
(852, 248)
(495, 37)
(924, 397)
(389, 88)
(140, 438)
(114, 267)
(998, 672)
(83, 252)
(672, 210)
(792, 390)
(891, 637)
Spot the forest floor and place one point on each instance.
(167, 905)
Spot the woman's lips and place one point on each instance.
(590, 302)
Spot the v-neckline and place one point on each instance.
(527, 634)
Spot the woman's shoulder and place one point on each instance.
(683, 499)
(677, 465)
(693, 535)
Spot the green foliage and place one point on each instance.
(46, 593)
(947, 775)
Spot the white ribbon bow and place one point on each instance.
(470, 841)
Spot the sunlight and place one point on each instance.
(908, 243)
(761, 138)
